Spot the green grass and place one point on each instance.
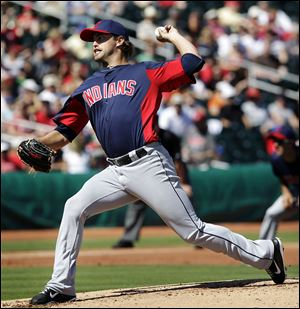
(107, 242)
(25, 282)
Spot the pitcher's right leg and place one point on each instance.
(100, 193)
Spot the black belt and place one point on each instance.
(128, 158)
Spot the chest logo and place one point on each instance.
(97, 93)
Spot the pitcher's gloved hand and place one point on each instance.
(36, 154)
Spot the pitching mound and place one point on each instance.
(224, 294)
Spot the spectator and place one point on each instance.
(198, 146)
(13, 62)
(26, 106)
(281, 114)
(10, 161)
(49, 92)
(175, 117)
(229, 15)
(255, 114)
(149, 54)
(145, 29)
(76, 157)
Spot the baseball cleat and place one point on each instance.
(123, 244)
(277, 268)
(50, 296)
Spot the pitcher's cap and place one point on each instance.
(103, 26)
(282, 133)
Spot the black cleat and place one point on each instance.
(50, 296)
(123, 244)
(277, 268)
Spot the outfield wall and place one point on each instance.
(241, 193)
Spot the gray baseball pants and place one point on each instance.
(153, 180)
(134, 219)
(274, 214)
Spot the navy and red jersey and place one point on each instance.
(121, 103)
(287, 172)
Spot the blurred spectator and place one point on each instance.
(281, 114)
(213, 23)
(208, 47)
(42, 64)
(260, 12)
(59, 164)
(77, 16)
(174, 18)
(77, 47)
(145, 29)
(12, 62)
(292, 47)
(51, 93)
(149, 54)
(215, 103)
(10, 161)
(27, 105)
(198, 145)
(175, 118)
(194, 24)
(229, 15)
(72, 76)
(280, 23)
(43, 114)
(53, 46)
(255, 114)
(231, 113)
(76, 157)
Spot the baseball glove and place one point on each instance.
(36, 154)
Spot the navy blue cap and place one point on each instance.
(103, 26)
(282, 133)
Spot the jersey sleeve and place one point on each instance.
(168, 75)
(72, 118)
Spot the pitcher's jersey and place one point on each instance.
(121, 103)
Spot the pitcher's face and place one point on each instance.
(103, 47)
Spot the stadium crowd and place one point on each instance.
(221, 119)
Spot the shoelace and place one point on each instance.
(45, 291)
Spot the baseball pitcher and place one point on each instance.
(121, 101)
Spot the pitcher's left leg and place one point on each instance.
(161, 190)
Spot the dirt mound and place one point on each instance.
(224, 294)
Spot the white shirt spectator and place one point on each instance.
(12, 65)
(173, 121)
(255, 114)
(146, 28)
(77, 162)
(280, 114)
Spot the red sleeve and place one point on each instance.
(72, 116)
(169, 75)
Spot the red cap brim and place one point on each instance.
(277, 136)
(88, 34)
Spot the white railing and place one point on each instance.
(257, 71)
(14, 132)
(27, 124)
